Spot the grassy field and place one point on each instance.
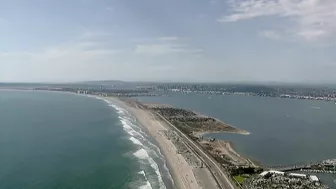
(240, 178)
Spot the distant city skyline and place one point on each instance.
(254, 41)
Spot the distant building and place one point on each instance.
(82, 92)
(272, 172)
(297, 175)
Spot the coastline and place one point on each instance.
(230, 145)
(182, 173)
(184, 176)
(236, 130)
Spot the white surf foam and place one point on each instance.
(136, 141)
(143, 173)
(129, 129)
(143, 155)
(136, 133)
(97, 97)
(129, 120)
(157, 149)
(148, 184)
(119, 110)
(132, 129)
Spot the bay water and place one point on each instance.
(59, 140)
(282, 131)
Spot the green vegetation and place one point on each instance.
(240, 178)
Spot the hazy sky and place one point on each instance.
(168, 40)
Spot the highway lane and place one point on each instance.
(221, 177)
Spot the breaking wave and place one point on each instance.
(143, 155)
(147, 185)
(146, 152)
(136, 141)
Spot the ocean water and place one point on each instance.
(283, 131)
(57, 140)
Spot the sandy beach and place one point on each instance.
(183, 174)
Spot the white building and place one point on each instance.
(314, 178)
(273, 172)
(297, 175)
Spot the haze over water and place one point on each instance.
(283, 131)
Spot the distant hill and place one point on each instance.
(105, 82)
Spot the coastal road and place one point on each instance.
(214, 167)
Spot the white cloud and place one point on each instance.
(88, 58)
(271, 34)
(312, 34)
(76, 49)
(64, 59)
(153, 49)
(93, 35)
(312, 19)
(162, 39)
(71, 61)
(163, 49)
(164, 46)
(15, 54)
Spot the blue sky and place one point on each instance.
(168, 40)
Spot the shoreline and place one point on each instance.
(230, 146)
(184, 176)
(235, 131)
(181, 172)
(118, 103)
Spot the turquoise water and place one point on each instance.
(55, 140)
(283, 131)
